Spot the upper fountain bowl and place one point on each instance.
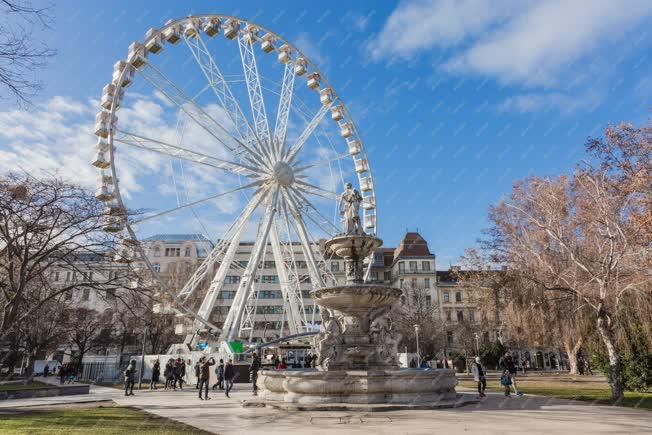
(353, 245)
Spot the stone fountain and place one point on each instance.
(357, 347)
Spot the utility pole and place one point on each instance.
(416, 331)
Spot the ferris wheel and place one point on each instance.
(252, 143)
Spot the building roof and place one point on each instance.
(412, 245)
(177, 238)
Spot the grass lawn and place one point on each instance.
(110, 420)
(34, 385)
(569, 388)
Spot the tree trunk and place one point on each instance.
(607, 335)
(572, 351)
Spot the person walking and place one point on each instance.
(219, 373)
(130, 376)
(177, 374)
(46, 371)
(253, 372)
(182, 373)
(507, 364)
(479, 376)
(169, 375)
(204, 375)
(62, 374)
(229, 376)
(506, 381)
(197, 374)
(156, 373)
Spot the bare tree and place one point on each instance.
(21, 55)
(417, 309)
(51, 245)
(87, 331)
(521, 310)
(576, 237)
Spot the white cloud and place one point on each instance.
(552, 101)
(423, 24)
(529, 43)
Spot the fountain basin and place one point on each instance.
(359, 386)
(353, 246)
(356, 300)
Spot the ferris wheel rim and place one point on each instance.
(277, 38)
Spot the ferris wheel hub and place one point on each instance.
(283, 174)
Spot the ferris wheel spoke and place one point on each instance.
(224, 252)
(246, 46)
(199, 201)
(283, 111)
(311, 189)
(309, 209)
(181, 153)
(304, 238)
(286, 268)
(222, 91)
(197, 114)
(318, 163)
(234, 318)
(307, 132)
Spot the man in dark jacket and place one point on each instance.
(178, 376)
(204, 375)
(507, 363)
(229, 376)
(130, 376)
(253, 372)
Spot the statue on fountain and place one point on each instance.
(349, 207)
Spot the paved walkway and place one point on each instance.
(496, 414)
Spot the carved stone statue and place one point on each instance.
(349, 207)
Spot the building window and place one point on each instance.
(156, 266)
(387, 275)
(232, 279)
(110, 295)
(68, 295)
(400, 283)
(414, 283)
(56, 276)
(335, 266)
(458, 296)
(447, 297)
(269, 265)
(86, 294)
(401, 266)
(172, 252)
(471, 315)
(301, 264)
(67, 276)
(226, 294)
(90, 276)
(460, 316)
(448, 315)
(426, 283)
(187, 253)
(413, 266)
(428, 300)
(449, 337)
(157, 252)
(425, 265)
(269, 279)
(269, 294)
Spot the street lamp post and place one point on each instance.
(416, 332)
(477, 343)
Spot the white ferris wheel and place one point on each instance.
(261, 139)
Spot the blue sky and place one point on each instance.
(454, 99)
